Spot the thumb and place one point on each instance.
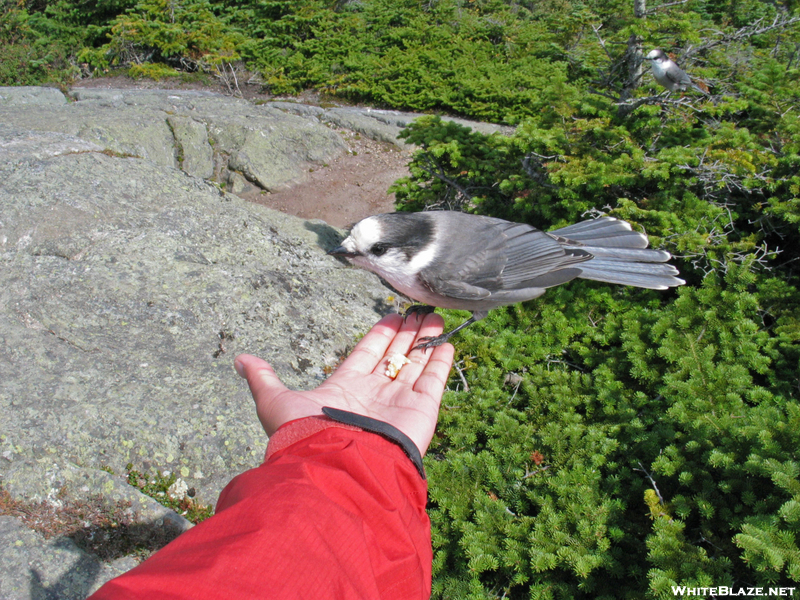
(264, 383)
(275, 403)
(267, 389)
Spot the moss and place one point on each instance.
(157, 487)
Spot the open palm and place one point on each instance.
(410, 402)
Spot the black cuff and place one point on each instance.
(391, 433)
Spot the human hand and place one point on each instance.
(410, 402)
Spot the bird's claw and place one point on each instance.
(431, 341)
(418, 309)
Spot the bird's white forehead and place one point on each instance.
(366, 233)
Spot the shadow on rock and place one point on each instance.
(87, 568)
(111, 542)
(124, 545)
(328, 237)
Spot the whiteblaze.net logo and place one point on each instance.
(726, 592)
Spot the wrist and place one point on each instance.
(390, 432)
(298, 429)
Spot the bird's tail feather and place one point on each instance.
(702, 87)
(606, 232)
(627, 254)
(619, 254)
(650, 282)
(654, 276)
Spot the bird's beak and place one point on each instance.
(342, 251)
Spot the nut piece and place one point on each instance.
(396, 363)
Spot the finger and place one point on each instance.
(402, 342)
(431, 325)
(264, 383)
(369, 352)
(434, 376)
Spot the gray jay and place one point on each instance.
(470, 262)
(670, 75)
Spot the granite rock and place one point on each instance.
(129, 282)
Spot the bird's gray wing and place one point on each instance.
(678, 76)
(494, 255)
(537, 259)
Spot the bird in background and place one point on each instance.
(671, 76)
(470, 262)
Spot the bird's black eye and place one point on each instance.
(379, 249)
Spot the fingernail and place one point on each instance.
(239, 369)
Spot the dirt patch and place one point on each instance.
(340, 193)
(347, 189)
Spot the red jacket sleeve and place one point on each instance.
(338, 513)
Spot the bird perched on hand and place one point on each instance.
(670, 75)
(470, 262)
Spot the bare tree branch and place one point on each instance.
(655, 9)
(596, 29)
(664, 99)
(435, 170)
(533, 165)
(652, 482)
(748, 31)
